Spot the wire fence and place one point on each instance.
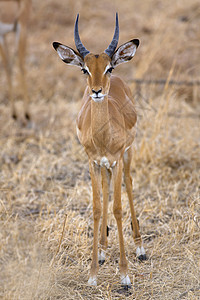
(164, 81)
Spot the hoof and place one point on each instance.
(140, 253)
(92, 281)
(101, 262)
(101, 257)
(126, 287)
(142, 257)
(125, 282)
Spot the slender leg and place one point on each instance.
(140, 252)
(106, 175)
(22, 56)
(7, 66)
(95, 178)
(117, 209)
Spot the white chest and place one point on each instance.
(104, 162)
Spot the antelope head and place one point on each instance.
(98, 68)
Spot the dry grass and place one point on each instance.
(46, 221)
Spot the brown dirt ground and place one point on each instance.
(46, 223)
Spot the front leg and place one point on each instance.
(95, 178)
(106, 176)
(117, 210)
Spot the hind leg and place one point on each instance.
(140, 252)
(22, 57)
(106, 176)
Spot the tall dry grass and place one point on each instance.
(46, 225)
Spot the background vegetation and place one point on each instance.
(46, 223)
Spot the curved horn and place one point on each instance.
(79, 46)
(113, 45)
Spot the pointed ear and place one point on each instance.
(125, 52)
(68, 55)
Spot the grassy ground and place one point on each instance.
(46, 223)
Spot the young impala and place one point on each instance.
(14, 17)
(105, 127)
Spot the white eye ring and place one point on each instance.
(108, 69)
(87, 70)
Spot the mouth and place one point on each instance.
(98, 98)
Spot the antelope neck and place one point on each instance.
(100, 120)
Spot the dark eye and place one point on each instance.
(109, 70)
(84, 71)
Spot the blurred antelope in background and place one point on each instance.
(14, 17)
(106, 129)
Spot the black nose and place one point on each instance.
(96, 92)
